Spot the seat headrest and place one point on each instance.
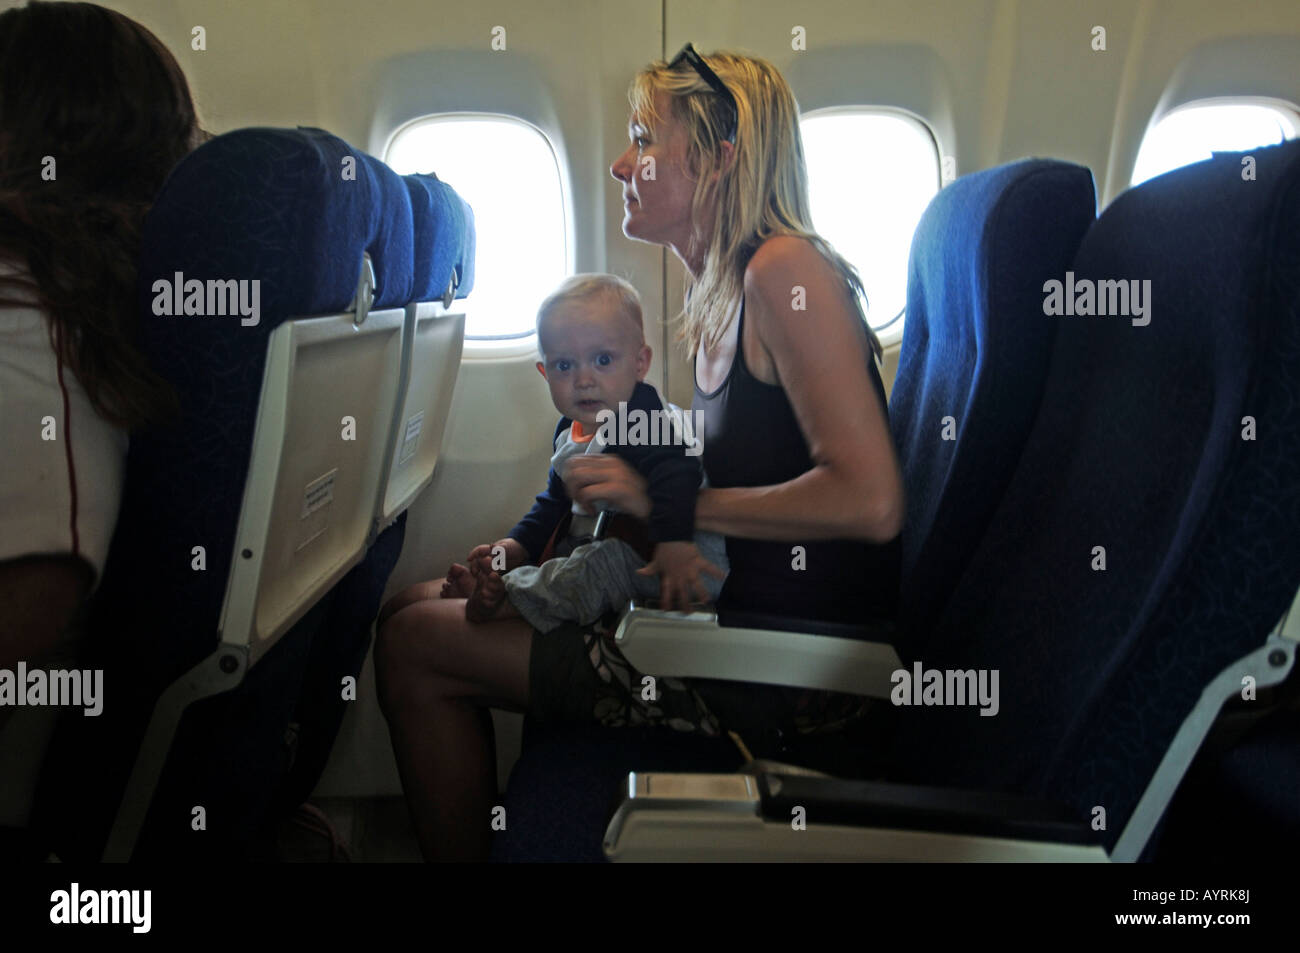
(978, 239)
(292, 208)
(444, 238)
(976, 349)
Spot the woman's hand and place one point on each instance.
(679, 566)
(595, 479)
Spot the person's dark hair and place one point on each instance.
(99, 95)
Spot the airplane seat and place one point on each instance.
(1146, 545)
(247, 527)
(1136, 574)
(976, 349)
(1242, 570)
(1122, 498)
(433, 336)
(974, 357)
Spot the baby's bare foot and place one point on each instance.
(489, 592)
(459, 584)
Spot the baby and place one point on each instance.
(594, 358)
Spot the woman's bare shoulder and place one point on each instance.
(799, 304)
(781, 263)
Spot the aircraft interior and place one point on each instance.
(1075, 232)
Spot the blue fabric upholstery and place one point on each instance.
(1138, 448)
(976, 349)
(294, 210)
(444, 238)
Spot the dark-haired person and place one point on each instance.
(94, 113)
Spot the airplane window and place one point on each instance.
(871, 173)
(1194, 132)
(506, 170)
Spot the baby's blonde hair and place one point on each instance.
(590, 285)
(763, 193)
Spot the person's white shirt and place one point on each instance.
(37, 473)
(37, 515)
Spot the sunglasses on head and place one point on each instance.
(697, 63)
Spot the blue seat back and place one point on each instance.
(433, 339)
(294, 210)
(975, 355)
(1173, 450)
(444, 239)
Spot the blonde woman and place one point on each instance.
(804, 480)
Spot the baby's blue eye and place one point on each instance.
(604, 360)
(561, 365)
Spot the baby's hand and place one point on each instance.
(678, 565)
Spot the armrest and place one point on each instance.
(779, 817)
(695, 645)
(912, 807)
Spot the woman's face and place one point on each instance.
(657, 187)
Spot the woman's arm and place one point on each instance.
(855, 488)
(39, 595)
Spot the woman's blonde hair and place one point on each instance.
(763, 193)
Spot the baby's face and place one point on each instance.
(594, 355)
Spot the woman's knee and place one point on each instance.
(428, 651)
(402, 671)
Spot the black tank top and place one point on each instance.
(752, 438)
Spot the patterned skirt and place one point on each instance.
(577, 674)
